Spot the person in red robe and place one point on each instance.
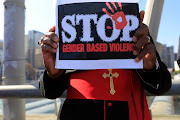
(106, 94)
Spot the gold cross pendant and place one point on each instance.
(111, 75)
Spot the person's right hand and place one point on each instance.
(49, 47)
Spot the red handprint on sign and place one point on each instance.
(118, 17)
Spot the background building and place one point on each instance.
(33, 55)
(175, 56)
(34, 60)
(178, 54)
(1, 59)
(171, 56)
(159, 47)
(167, 54)
(33, 51)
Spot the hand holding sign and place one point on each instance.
(84, 34)
(118, 17)
(49, 47)
(143, 48)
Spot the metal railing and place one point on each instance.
(21, 91)
(32, 91)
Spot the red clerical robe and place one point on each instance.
(111, 85)
(101, 94)
(106, 94)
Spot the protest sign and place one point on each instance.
(96, 34)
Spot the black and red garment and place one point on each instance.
(103, 94)
(109, 94)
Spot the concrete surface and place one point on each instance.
(38, 117)
(162, 105)
(53, 117)
(170, 117)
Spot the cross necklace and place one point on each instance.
(111, 75)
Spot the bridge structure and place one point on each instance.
(14, 91)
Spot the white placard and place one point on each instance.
(71, 28)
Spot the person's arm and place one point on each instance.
(158, 80)
(53, 82)
(52, 88)
(155, 77)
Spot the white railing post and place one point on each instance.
(152, 19)
(153, 16)
(14, 56)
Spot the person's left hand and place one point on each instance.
(143, 48)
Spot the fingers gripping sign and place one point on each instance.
(118, 15)
(104, 32)
(143, 48)
(49, 48)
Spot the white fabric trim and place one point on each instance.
(155, 87)
(157, 64)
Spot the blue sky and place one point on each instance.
(40, 17)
